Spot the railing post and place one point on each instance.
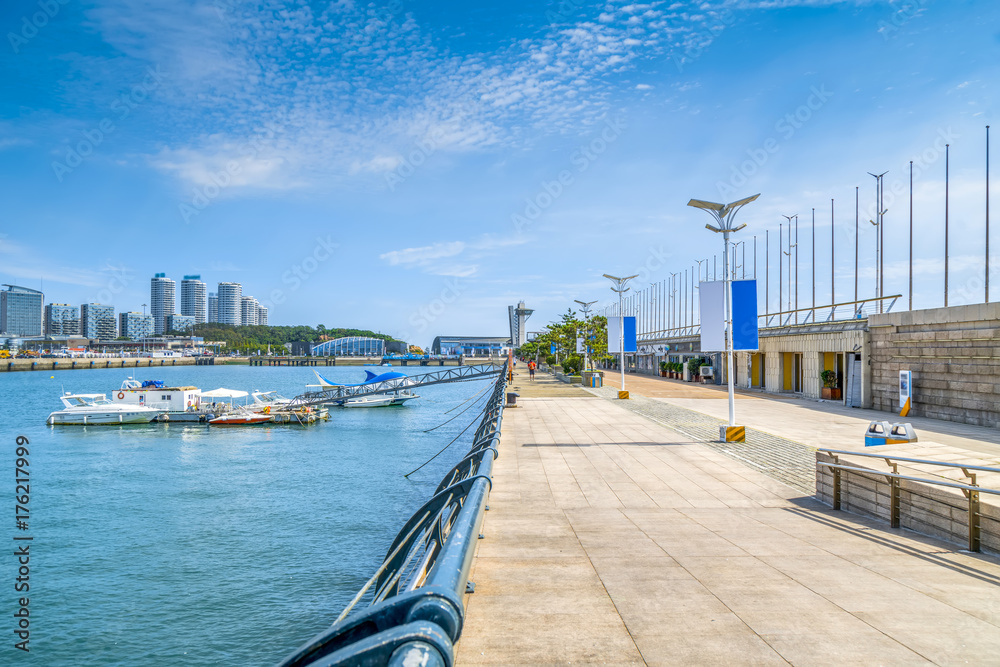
(973, 496)
(893, 502)
(836, 486)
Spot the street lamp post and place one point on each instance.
(585, 307)
(619, 286)
(724, 214)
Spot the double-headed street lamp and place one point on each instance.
(585, 307)
(724, 215)
(621, 289)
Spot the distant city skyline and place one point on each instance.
(488, 153)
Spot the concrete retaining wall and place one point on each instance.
(924, 508)
(954, 354)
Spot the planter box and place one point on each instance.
(663, 374)
(830, 394)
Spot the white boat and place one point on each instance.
(380, 400)
(263, 399)
(87, 409)
(241, 418)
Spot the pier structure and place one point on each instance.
(622, 532)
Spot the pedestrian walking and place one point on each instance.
(531, 370)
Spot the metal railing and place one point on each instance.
(970, 490)
(857, 309)
(415, 610)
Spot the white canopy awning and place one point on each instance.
(224, 393)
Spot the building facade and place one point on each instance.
(135, 326)
(213, 307)
(230, 303)
(162, 301)
(178, 322)
(62, 319)
(97, 321)
(248, 311)
(470, 346)
(518, 316)
(21, 311)
(350, 346)
(194, 299)
(261, 315)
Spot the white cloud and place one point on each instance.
(422, 256)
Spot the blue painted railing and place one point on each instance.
(415, 613)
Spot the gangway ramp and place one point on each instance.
(339, 393)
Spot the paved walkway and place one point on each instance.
(615, 540)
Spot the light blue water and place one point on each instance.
(193, 545)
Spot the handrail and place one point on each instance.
(901, 458)
(972, 490)
(416, 606)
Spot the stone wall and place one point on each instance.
(954, 354)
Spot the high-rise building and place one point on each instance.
(161, 301)
(213, 307)
(98, 321)
(194, 299)
(135, 326)
(248, 311)
(230, 303)
(62, 319)
(21, 311)
(261, 315)
(177, 322)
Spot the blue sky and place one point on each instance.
(414, 167)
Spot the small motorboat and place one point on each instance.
(96, 409)
(380, 400)
(241, 418)
(263, 399)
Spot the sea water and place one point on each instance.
(170, 544)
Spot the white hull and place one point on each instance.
(68, 417)
(378, 401)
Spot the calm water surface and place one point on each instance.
(192, 545)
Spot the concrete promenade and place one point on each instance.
(614, 539)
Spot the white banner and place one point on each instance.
(713, 316)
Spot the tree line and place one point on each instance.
(557, 344)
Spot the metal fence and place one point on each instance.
(415, 611)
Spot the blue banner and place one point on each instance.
(630, 341)
(745, 335)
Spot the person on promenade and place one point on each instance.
(531, 370)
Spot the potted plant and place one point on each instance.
(694, 368)
(664, 368)
(678, 369)
(830, 389)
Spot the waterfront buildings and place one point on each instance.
(230, 303)
(213, 307)
(161, 301)
(21, 311)
(178, 322)
(473, 346)
(62, 320)
(135, 326)
(248, 311)
(194, 299)
(350, 346)
(97, 321)
(261, 315)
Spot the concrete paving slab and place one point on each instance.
(597, 552)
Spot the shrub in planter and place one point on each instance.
(550, 360)
(694, 366)
(571, 365)
(830, 389)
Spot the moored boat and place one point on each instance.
(240, 418)
(96, 409)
